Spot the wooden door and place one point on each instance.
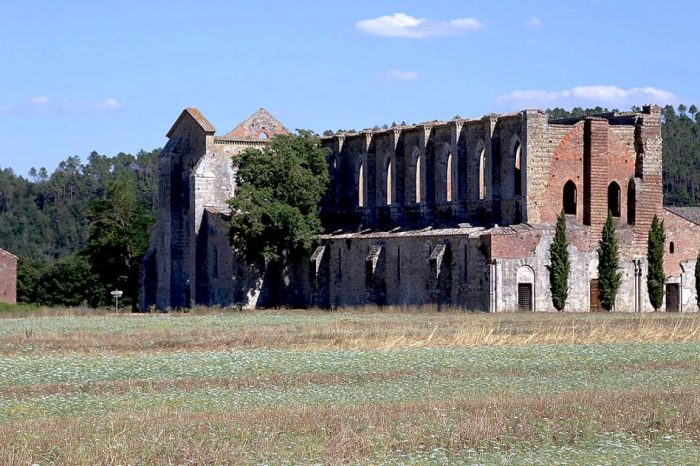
(524, 296)
(595, 296)
(673, 297)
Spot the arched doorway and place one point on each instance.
(569, 198)
(631, 211)
(614, 199)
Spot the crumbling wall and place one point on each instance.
(8, 278)
(405, 269)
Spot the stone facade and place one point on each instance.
(189, 240)
(454, 213)
(8, 278)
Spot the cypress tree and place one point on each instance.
(697, 279)
(609, 276)
(560, 264)
(655, 258)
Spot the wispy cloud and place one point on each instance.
(588, 96)
(40, 100)
(400, 75)
(533, 22)
(43, 104)
(403, 25)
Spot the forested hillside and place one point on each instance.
(81, 230)
(73, 229)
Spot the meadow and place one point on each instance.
(368, 386)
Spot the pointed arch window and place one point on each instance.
(517, 175)
(389, 183)
(631, 203)
(614, 199)
(417, 180)
(482, 174)
(448, 178)
(361, 186)
(569, 200)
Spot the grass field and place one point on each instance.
(391, 387)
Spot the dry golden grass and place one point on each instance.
(347, 434)
(203, 422)
(356, 329)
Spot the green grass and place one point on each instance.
(626, 402)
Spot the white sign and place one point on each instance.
(117, 293)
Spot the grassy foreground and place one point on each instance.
(350, 387)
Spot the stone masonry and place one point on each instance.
(451, 213)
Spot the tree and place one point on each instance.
(560, 264)
(697, 279)
(278, 195)
(656, 279)
(118, 237)
(69, 282)
(609, 276)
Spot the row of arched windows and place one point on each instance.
(446, 181)
(570, 200)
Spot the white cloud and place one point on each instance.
(43, 104)
(403, 25)
(533, 22)
(606, 96)
(108, 103)
(40, 100)
(111, 103)
(400, 75)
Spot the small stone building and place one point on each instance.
(8, 278)
(454, 213)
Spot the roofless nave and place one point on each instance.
(457, 213)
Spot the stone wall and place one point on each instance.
(195, 173)
(442, 160)
(416, 213)
(446, 267)
(8, 278)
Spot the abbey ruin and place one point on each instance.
(455, 213)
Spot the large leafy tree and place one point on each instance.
(43, 218)
(609, 275)
(560, 264)
(277, 201)
(118, 237)
(69, 282)
(656, 279)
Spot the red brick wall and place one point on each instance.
(610, 160)
(595, 174)
(685, 236)
(621, 162)
(514, 246)
(567, 164)
(8, 278)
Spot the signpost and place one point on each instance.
(117, 294)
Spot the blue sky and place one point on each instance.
(78, 76)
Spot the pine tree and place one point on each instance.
(560, 264)
(655, 258)
(609, 276)
(697, 279)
